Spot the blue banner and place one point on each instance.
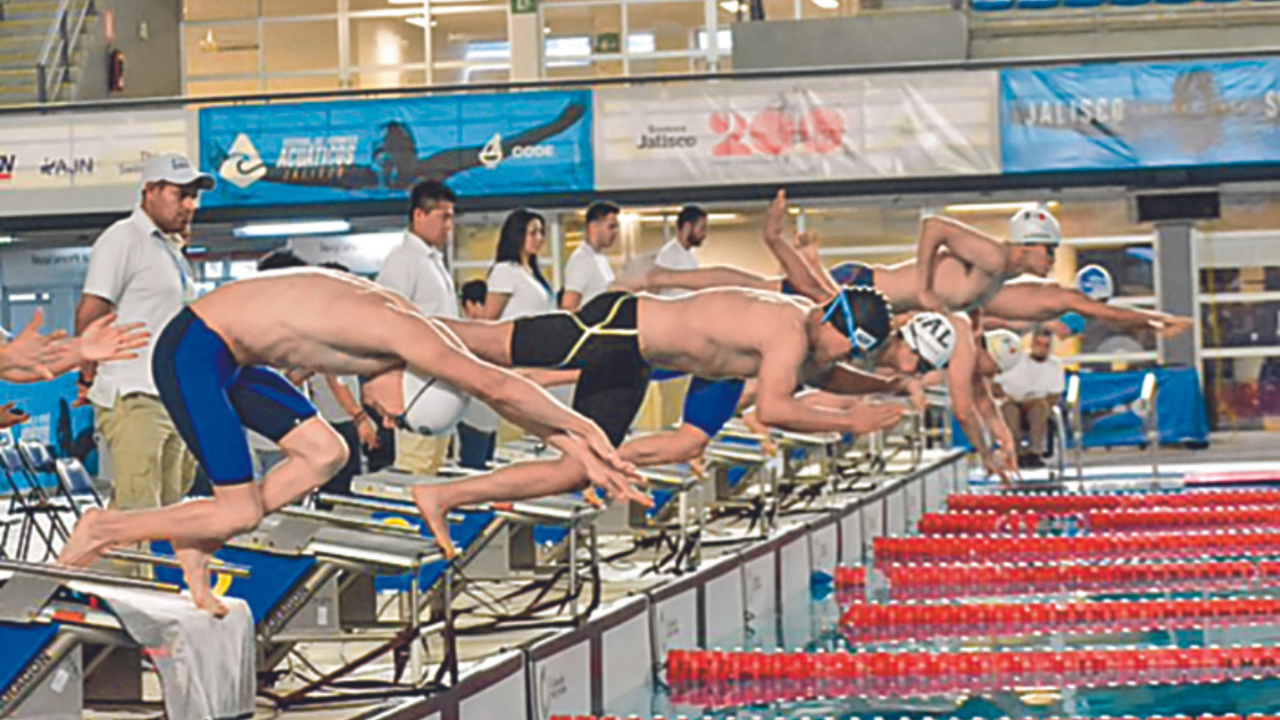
(506, 144)
(1126, 116)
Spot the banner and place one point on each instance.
(1121, 116)
(810, 129)
(352, 151)
(83, 162)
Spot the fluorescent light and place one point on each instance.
(994, 207)
(827, 4)
(711, 217)
(306, 227)
(6, 239)
(730, 6)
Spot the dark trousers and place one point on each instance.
(340, 484)
(475, 447)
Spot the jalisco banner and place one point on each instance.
(83, 162)
(481, 145)
(1118, 116)
(811, 129)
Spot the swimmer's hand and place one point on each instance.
(867, 417)
(10, 416)
(604, 468)
(809, 244)
(913, 388)
(104, 341)
(31, 352)
(1171, 325)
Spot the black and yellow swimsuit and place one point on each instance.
(602, 340)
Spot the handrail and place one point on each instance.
(1150, 418)
(583, 84)
(1076, 421)
(62, 38)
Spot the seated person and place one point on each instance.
(1030, 390)
(211, 366)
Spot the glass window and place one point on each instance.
(673, 25)
(1132, 267)
(300, 46)
(724, 40)
(1243, 393)
(221, 49)
(298, 8)
(214, 88)
(196, 10)
(303, 83)
(388, 78)
(601, 24)
(579, 69)
(474, 30)
(381, 41)
(1238, 324)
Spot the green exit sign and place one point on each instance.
(522, 7)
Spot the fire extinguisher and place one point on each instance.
(115, 71)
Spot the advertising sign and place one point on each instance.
(358, 150)
(83, 162)
(1135, 115)
(807, 129)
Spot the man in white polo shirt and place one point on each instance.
(1030, 389)
(691, 232)
(587, 273)
(137, 270)
(415, 268)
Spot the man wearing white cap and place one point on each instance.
(137, 270)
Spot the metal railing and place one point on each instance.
(54, 63)
(1144, 407)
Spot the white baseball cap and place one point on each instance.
(1005, 348)
(1034, 226)
(174, 168)
(932, 336)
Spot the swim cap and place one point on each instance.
(1005, 348)
(431, 406)
(1034, 226)
(861, 314)
(933, 337)
(1096, 282)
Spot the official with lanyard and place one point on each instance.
(137, 270)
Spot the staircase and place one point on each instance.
(25, 25)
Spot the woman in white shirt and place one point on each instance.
(517, 287)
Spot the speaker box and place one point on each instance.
(1192, 205)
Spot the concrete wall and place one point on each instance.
(148, 32)
(866, 40)
(872, 39)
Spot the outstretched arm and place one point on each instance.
(28, 357)
(716, 276)
(431, 349)
(845, 380)
(777, 404)
(1040, 301)
(973, 246)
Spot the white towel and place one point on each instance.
(208, 667)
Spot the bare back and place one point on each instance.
(960, 285)
(308, 319)
(721, 333)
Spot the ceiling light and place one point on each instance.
(6, 239)
(996, 207)
(827, 4)
(730, 6)
(306, 227)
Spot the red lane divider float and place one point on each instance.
(1114, 546)
(1121, 717)
(713, 678)
(1100, 521)
(940, 581)
(871, 622)
(1062, 502)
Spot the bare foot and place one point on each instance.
(84, 547)
(195, 557)
(433, 512)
